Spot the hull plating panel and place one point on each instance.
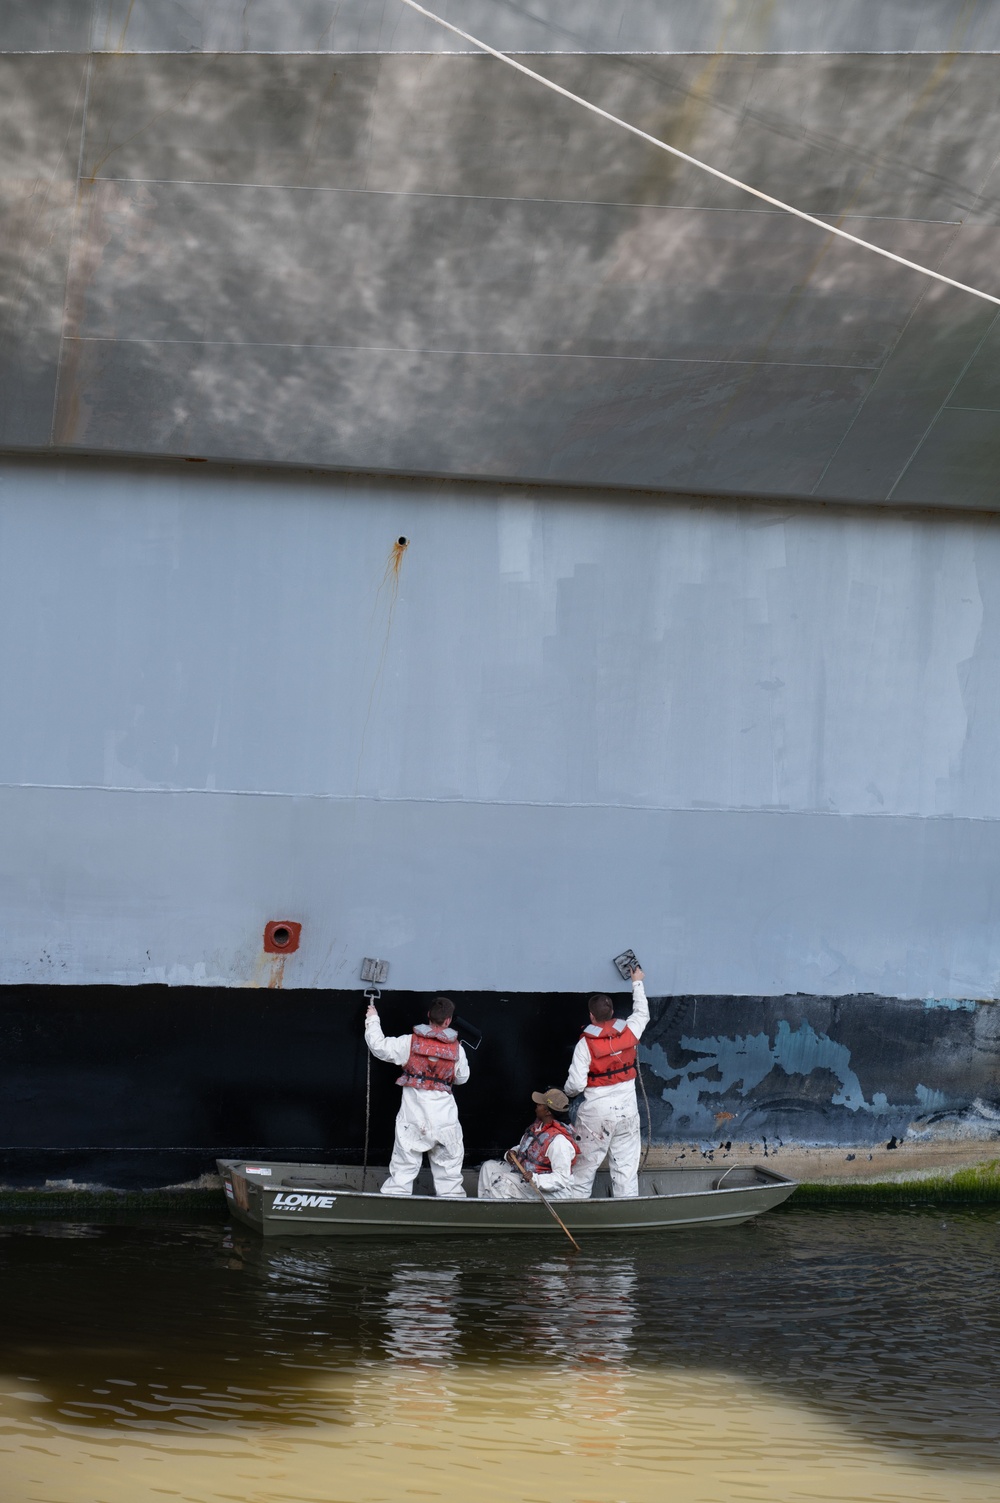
(131, 1087)
(129, 887)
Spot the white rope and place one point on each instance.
(777, 203)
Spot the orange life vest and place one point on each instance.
(432, 1060)
(533, 1149)
(612, 1048)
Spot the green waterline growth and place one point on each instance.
(975, 1185)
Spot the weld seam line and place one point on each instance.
(503, 198)
(388, 349)
(387, 52)
(497, 803)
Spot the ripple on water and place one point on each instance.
(811, 1355)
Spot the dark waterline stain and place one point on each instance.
(887, 1323)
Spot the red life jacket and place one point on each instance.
(533, 1149)
(432, 1061)
(612, 1048)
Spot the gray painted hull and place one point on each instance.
(758, 745)
(328, 234)
(326, 1200)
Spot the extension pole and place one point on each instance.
(372, 996)
(368, 1116)
(512, 1156)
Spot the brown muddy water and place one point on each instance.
(815, 1354)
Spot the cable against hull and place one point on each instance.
(777, 203)
(649, 1115)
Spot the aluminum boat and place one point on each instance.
(335, 1200)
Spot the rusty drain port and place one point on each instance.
(402, 542)
(281, 936)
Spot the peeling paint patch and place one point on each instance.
(744, 1061)
(790, 1081)
(953, 1004)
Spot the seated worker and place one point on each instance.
(433, 1061)
(547, 1150)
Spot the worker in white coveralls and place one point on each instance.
(547, 1151)
(604, 1067)
(433, 1061)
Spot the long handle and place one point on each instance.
(368, 1117)
(372, 995)
(546, 1203)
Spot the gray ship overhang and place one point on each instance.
(332, 235)
(77, 461)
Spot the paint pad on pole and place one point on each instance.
(470, 1035)
(626, 963)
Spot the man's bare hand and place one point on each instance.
(371, 1012)
(637, 973)
(515, 1163)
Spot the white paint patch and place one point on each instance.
(515, 539)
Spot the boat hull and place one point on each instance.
(277, 1199)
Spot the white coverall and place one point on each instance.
(499, 1180)
(608, 1120)
(427, 1121)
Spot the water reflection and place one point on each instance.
(866, 1340)
(420, 1314)
(581, 1315)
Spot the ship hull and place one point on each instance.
(443, 527)
(142, 1087)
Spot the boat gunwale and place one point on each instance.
(769, 1178)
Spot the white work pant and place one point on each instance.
(610, 1129)
(428, 1124)
(500, 1181)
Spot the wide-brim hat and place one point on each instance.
(556, 1101)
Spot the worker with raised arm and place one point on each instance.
(433, 1062)
(545, 1153)
(604, 1068)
